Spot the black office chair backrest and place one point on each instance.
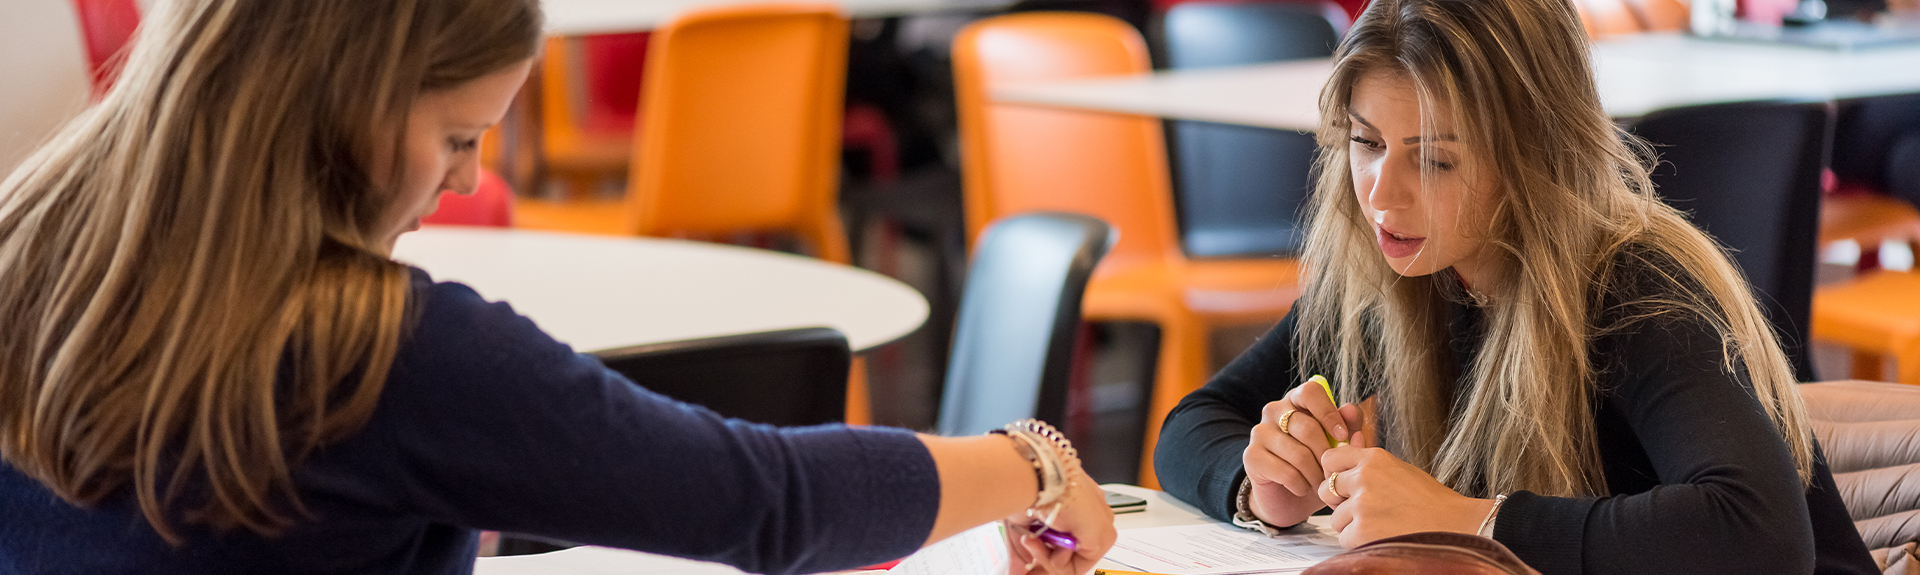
(1019, 317)
(1239, 188)
(1877, 144)
(1749, 175)
(786, 377)
(1213, 34)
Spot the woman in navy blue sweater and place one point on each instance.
(211, 365)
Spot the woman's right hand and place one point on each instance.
(1084, 514)
(1284, 463)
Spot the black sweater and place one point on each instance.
(1698, 478)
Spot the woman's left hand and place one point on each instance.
(1379, 496)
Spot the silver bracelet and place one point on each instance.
(1243, 511)
(1486, 525)
(1052, 456)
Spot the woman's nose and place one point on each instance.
(1393, 185)
(463, 179)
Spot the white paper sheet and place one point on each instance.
(978, 551)
(1219, 549)
(597, 561)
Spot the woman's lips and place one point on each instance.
(1397, 247)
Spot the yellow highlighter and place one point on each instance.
(1327, 387)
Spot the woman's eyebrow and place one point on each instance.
(1362, 121)
(1439, 138)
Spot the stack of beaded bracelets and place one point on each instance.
(1053, 459)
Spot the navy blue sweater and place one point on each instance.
(488, 423)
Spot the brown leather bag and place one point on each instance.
(1433, 552)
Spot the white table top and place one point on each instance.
(598, 293)
(1635, 74)
(1162, 511)
(574, 17)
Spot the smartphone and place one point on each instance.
(1123, 503)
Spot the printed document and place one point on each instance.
(1220, 549)
(978, 551)
(590, 560)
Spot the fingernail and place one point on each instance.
(1342, 444)
(1341, 429)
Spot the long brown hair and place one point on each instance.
(1574, 209)
(196, 297)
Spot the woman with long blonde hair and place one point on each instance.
(1526, 343)
(211, 365)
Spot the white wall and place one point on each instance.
(43, 74)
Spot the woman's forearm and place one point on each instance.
(982, 479)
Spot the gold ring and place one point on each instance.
(1286, 418)
(1331, 486)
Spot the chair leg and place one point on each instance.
(859, 401)
(1180, 370)
(1869, 366)
(1908, 364)
(829, 239)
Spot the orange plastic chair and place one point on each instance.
(1018, 159)
(1609, 17)
(738, 134)
(582, 141)
(1877, 315)
(1664, 15)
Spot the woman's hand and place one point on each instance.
(1083, 514)
(1284, 463)
(1376, 495)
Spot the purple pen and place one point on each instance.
(1058, 539)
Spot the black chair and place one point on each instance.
(1877, 145)
(1014, 339)
(1239, 188)
(786, 377)
(1749, 175)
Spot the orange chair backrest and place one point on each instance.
(1664, 15)
(1610, 17)
(1018, 159)
(559, 70)
(739, 121)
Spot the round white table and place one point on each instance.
(599, 293)
(576, 17)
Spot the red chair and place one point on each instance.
(107, 25)
(590, 94)
(490, 205)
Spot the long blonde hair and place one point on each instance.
(196, 297)
(1575, 216)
